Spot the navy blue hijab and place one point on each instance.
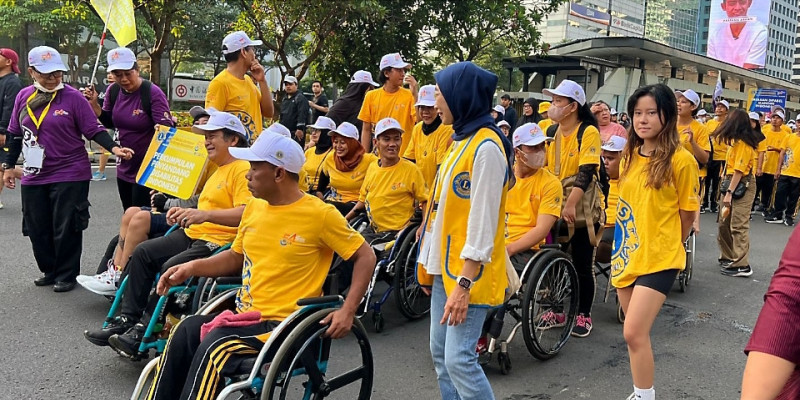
(468, 91)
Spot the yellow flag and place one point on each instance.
(121, 22)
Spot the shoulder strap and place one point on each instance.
(147, 105)
(113, 93)
(551, 130)
(581, 130)
(557, 167)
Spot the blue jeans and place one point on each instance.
(453, 349)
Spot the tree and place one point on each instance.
(462, 30)
(205, 23)
(163, 17)
(296, 31)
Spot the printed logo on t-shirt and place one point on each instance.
(788, 158)
(291, 238)
(398, 186)
(57, 113)
(137, 112)
(626, 238)
(462, 185)
(244, 300)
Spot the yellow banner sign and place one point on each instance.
(174, 162)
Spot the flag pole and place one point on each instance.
(102, 40)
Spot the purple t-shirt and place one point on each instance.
(69, 119)
(135, 127)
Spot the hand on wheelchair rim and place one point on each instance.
(340, 322)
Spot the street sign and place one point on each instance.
(191, 90)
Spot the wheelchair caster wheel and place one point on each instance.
(377, 320)
(505, 363)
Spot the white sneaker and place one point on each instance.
(1, 205)
(104, 284)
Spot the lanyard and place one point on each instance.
(38, 122)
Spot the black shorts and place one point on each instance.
(661, 281)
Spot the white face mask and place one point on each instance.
(535, 160)
(41, 88)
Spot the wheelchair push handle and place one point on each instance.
(320, 300)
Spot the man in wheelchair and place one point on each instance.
(534, 204)
(283, 249)
(204, 230)
(391, 187)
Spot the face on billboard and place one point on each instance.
(738, 32)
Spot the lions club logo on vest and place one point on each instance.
(626, 239)
(462, 185)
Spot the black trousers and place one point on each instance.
(132, 194)
(194, 369)
(764, 184)
(712, 183)
(786, 196)
(54, 217)
(582, 257)
(154, 256)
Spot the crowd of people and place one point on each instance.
(489, 186)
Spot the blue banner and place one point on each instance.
(762, 100)
(589, 13)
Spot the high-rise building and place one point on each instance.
(581, 19)
(781, 47)
(796, 67)
(674, 23)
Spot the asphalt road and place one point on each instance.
(698, 337)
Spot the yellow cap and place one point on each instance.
(544, 106)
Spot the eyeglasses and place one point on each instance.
(51, 75)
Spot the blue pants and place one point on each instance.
(453, 349)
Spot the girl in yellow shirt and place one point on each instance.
(318, 150)
(658, 198)
(734, 226)
(345, 171)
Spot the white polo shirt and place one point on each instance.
(749, 48)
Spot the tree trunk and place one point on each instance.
(155, 67)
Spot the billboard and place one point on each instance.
(763, 100)
(737, 32)
(590, 14)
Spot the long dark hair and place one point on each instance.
(737, 127)
(585, 113)
(659, 169)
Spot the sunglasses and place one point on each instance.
(51, 75)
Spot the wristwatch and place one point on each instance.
(7, 166)
(465, 282)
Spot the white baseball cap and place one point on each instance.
(568, 88)
(725, 103)
(290, 79)
(45, 60)
(277, 129)
(393, 60)
(388, 124)
(529, 134)
(499, 109)
(690, 95)
(504, 123)
(277, 150)
(362, 76)
(792, 123)
(120, 58)
(779, 113)
(702, 112)
(753, 115)
(222, 120)
(614, 111)
(236, 41)
(323, 123)
(345, 129)
(426, 97)
(615, 144)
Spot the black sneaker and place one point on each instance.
(788, 221)
(127, 344)
(738, 271)
(773, 219)
(714, 210)
(702, 209)
(758, 208)
(100, 337)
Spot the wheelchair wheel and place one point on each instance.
(690, 255)
(145, 381)
(620, 313)
(411, 301)
(205, 291)
(302, 366)
(549, 304)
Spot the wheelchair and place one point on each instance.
(545, 306)
(185, 299)
(295, 362)
(397, 263)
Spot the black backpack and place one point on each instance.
(602, 176)
(144, 93)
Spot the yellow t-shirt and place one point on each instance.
(429, 151)
(537, 194)
(774, 140)
(740, 158)
(226, 188)
(647, 234)
(389, 194)
(240, 97)
(612, 202)
(380, 104)
(571, 158)
(700, 136)
(545, 123)
(345, 186)
(791, 160)
(286, 255)
(312, 168)
(207, 173)
(720, 149)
